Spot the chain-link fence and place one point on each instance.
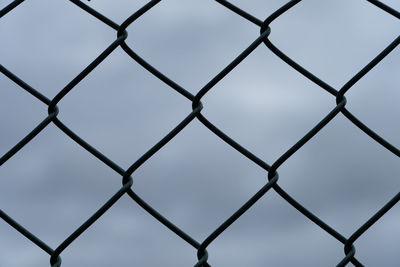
(271, 170)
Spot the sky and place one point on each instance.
(197, 181)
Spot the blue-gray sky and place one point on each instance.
(197, 181)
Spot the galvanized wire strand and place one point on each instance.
(37, 129)
(349, 248)
(10, 7)
(55, 255)
(126, 174)
(349, 244)
(386, 8)
(27, 234)
(271, 170)
(55, 259)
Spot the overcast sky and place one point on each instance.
(197, 181)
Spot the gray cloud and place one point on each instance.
(197, 181)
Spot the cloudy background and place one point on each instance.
(197, 181)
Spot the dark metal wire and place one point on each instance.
(271, 170)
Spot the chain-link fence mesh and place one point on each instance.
(195, 114)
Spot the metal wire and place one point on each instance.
(195, 113)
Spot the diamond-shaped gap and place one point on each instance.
(384, 232)
(196, 203)
(341, 176)
(190, 41)
(197, 181)
(166, 182)
(266, 106)
(374, 99)
(335, 39)
(49, 42)
(128, 236)
(122, 110)
(272, 233)
(20, 113)
(53, 185)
